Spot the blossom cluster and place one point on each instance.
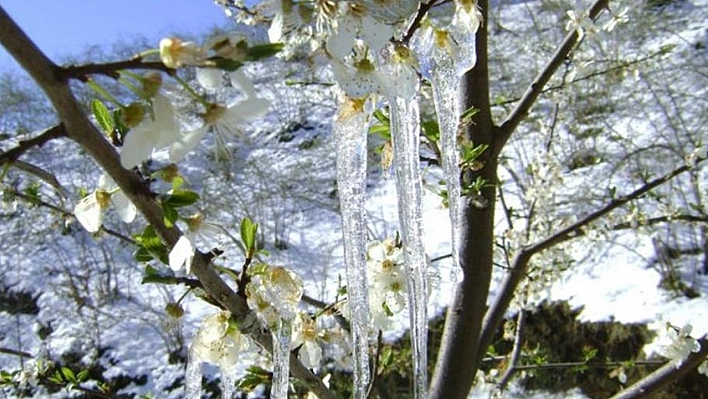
(681, 343)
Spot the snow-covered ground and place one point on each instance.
(89, 291)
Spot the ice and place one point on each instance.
(193, 377)
(281, 359)
(350, 131)
(228, 382)
(445, 82)
(405, 130)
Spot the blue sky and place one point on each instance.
(62, 27)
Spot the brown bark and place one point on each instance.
(459, 353)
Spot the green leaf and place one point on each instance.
(431, 130)
(264, 51)
(226, 64)
(68, 374)
(151, 247)
(180, 198)
(248, 236)
(155, 276)
(103, 116)
(169, 215)
(82, 376)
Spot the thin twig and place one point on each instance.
(495, 312)
(15, 352)
(23, 146)
(415, 24)
(515, 351)
(536, 88)
(664, 375)
(81, 72)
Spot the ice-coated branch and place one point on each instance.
(536, 88)
(664, 375)
(79, 128)
(495, 313)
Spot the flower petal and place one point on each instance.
(186, 143)
(210, 78)
(88, 213)
(181, 254)
(126, 209)
(137, 145)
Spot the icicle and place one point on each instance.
(228, 382)
(405, 130)
(193, 377)
(445, 56)
(445, 83)
(281, 360)
(350, 131)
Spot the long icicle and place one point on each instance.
(350, 131)
(445, 83)
(281, 360)
(405, 127)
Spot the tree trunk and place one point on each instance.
(459, 355)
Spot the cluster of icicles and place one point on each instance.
(444, 70)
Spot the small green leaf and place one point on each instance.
(248, 236)
(103, 116)
(68, 374)
(154, 276)
(431, 130)
(226, 64)
(82, 376)
(169, 215)
(151, 247)
(260, 51)
(180, 198)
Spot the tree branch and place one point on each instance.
(495, 313)
(534, 90)
(664, 375)
(46, 136)
(52, 80)
(111, 69)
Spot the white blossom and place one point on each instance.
(175, 53)
(356, 25)
(89, 211)
(158, 130)
(681, 345)
(274, 293)
(306, 335)
(223, 121)
(218, 342)
(198, 230)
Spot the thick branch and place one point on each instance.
(495, 313)
(534, 90)
(79, 128)
(664, 375)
